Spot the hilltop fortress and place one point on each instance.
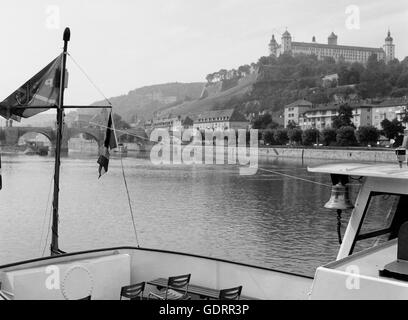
(332, 49)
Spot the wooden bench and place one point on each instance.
(202, 292)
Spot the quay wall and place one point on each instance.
(329, 154)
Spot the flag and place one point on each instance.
(41, 90)
(109, 144)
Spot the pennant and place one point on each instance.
(41, 90)
(109, 144)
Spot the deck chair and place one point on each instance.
(133, 292)
(230, 294)
(177, 289)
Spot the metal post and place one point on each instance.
(60, 115)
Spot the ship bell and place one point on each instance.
(340, 198)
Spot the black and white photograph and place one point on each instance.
(198, 156)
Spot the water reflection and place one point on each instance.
(267, 219)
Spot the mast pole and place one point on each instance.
(60, 122)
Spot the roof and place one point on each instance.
(300, 102)
(332, 46)
(331, 106)
(389, 38)
(230, 114)
(286, 34)
(273, 40)
(392, 103)
(332, 36)
(323, 108)
(388, 171)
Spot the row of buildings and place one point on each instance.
(365, 113)
(332, 49)
(209, 120)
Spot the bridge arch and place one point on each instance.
(95, 134)
(48, 133)
(25, 136)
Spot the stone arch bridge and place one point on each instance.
(13, 134)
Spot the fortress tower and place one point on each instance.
(332, 39)
(286, 42)
(389, 48)
(273, 47)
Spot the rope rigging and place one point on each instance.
(44, 220)
(129, 201)
(294, 177)
(121, 161)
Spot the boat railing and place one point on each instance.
(5, 295)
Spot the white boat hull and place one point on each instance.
(102, 273)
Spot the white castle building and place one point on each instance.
(332, 49)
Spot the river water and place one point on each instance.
(266, 219)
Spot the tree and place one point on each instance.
(405, 116)
(345, 136)
(402, 81)
(119, 123)
(374, 78)
(223, 74)
(343, 119)
(264, 121)
(310, 137)
(399, 92)
(291, 125)
(244, 70)
(134, 118)
(318, 97)
(281, 136)
(295, 135)
(210, 78)
(268, 136)
(392, 129)
(367, 135)
(328, 136)
(2, 134)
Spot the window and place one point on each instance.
(383, 216)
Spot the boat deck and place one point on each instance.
(102, 273)
(370, 261)
(358, 276)
(387, 170)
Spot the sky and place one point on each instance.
(126, 44)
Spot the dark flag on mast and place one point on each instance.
(38, 94)
(109, 144)
(43, 89)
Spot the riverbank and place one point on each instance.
(349, 154)
(12, 149)
(321, 153)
